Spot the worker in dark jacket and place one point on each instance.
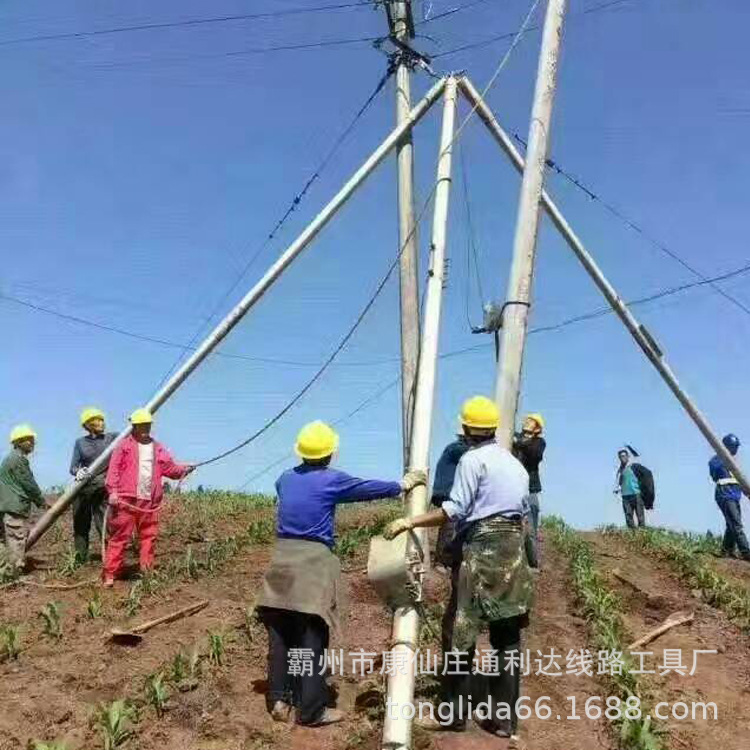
(91, 501)
(442, 484)
(300, 603)
(528, 448)
(728, 495)
(18, 490)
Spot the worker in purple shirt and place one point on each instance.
(300, 603)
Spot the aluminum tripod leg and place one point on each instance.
(238, 312)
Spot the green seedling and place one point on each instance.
(94, 607)
(39, 745)
(10, 642)
(69, 562)
(52, 624)
(157, 693)
(216, 648)
(133, 602)
(115, 723)
(178, 669)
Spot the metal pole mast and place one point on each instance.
(518, 297)
(401, 25)
(641, 335)
(405, 638)
(248, 301)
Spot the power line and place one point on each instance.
(371, 399)
(187, 22)
(450, 12)
(293, 205)
(510, 34)
(631, 224)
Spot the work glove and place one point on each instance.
(413, 478)
(81, 474)
(112, 500)
(394, 528)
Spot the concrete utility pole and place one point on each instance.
(639, 332)
(405, 638)
(401, 25)
(248, 301)
(518, 297)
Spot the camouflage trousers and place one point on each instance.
(492, 582)
(13, 556)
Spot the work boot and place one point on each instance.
(329, 716)
(108, 583)
(281, 712)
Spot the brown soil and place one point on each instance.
(722, 678)
(50, 691)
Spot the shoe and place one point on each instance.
(108, 583)
(281, 712)
(431, 724)
(329, 716)
(516, 743)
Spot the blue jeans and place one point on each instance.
(734, 536)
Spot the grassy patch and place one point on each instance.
(602, 610)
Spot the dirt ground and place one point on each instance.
(52, 689)
(722, 678)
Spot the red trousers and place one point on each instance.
(122, 523)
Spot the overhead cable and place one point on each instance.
(631, 224)
(293, 205)
(510, 34)
(187, 22)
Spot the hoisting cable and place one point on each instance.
(289, 211)
(471, 245)
(344, 341)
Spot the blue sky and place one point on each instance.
(139, 172)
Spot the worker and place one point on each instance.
(18, 490)
(493, 583)
(629, 488)
(91, 500)
(728, 495)
(299, 604)
(528, 448)
(442, 484)
(134, 485)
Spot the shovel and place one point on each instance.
(135, 636)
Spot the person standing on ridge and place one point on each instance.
(492, 581)
(299, 604)
(728, 495)
(629, 488)
(91, 500)
(134, 484)
(18, 490)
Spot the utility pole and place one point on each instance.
(518, 297)
(401, 27)
(405, 637)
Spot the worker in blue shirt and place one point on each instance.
(728, 495)
(300, 603)
(629, 489)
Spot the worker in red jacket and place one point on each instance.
(134, 485)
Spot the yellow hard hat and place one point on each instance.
(315, 441)
(481, 413)
(21, 432)
(89, 413)
(141, 416)
(538, 418)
